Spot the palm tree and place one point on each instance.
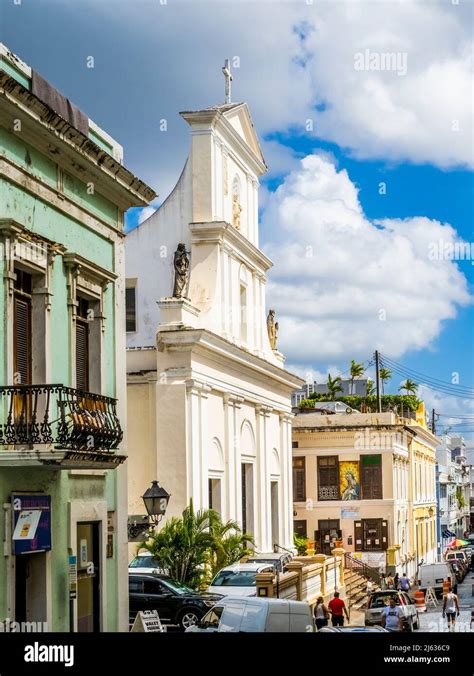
(333, 386)
(370, 388)
(409, 386)
(196, 545)
(384, 374)
(182, 546)
(357, 370)
(229, 544)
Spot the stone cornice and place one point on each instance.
(207, 342)
(221, 232)
(56, 138)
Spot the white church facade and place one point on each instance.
(209, 399)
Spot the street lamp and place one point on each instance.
(156, 501)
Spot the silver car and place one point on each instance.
(379, 600)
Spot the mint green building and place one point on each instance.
(63, 470)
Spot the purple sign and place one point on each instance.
(31, 523)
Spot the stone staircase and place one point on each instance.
(356, 589)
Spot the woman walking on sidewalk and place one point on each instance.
(321, 613)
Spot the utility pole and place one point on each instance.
(433, 421)
(377, 381)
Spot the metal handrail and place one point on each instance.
(363, 569)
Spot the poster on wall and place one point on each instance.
(31, 523)
(349, 480)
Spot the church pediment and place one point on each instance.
(236, 118)
(240, 119)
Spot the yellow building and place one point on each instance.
(367, 479)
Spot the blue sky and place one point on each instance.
(413, 132)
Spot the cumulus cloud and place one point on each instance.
(343, 285)
(299, 77)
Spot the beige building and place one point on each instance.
(209, 406)
(368, 480)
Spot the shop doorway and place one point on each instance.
(88, 577)
(30, 587)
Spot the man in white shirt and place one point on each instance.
(392, 618)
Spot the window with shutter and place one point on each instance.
(82, 345)
(130, 308)
(371, 477)
(374, 532)
(328, 478)
(22, 339)
(299, 479)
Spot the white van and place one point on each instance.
(237, 614)
(433, 575)
(456, 555)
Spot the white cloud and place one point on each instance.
(296, 63)
(449, 407)
(344, 286)
(145, 213)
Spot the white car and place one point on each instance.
(144, 563)
(239, 579)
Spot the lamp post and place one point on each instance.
(156, 501)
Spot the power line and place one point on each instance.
(396, 366)
(445, 388)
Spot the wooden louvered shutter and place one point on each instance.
(22, 340)
(82, 355)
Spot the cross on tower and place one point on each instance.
(228, 80)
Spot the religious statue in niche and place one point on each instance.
(236, 207)
(236, 210)
(272, 328)
(181, 271)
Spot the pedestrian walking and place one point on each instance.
(405, 583)
(370, 587)
(383, 582)
(392, 616)
(396, 581)
(451, 609)
(338, 610)
(390, 582)
(321, 613)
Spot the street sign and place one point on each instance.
(148, 621)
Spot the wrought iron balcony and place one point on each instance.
(60, 417)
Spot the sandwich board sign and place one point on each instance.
(147, 621)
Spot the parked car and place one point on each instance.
(237, 614)
(379, 600)
(144, 563)
(353, 628)
(433, 575)
(239, 579)
(175, 603)
(279, 561)
(458, 572)
(456, 554)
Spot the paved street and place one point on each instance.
(433, 620)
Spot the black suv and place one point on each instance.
(175, 603)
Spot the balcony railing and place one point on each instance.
(58, 416)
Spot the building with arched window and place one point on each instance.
(209, 405)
